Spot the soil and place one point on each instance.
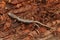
(45, 11)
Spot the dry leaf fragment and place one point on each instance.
(2, 4)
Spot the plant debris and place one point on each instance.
(29, 19)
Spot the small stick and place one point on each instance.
(26, 21)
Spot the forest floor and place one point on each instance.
(29, 19)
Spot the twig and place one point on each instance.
(26, 21)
